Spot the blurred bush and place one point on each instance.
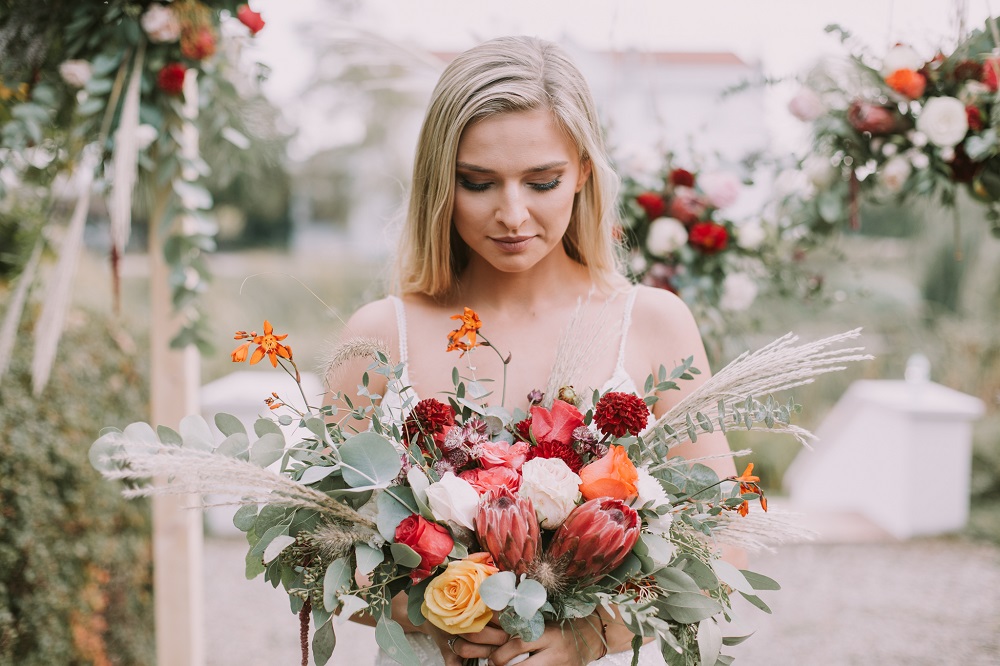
(75, 559)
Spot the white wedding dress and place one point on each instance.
(427, 652)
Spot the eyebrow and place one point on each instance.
(465, 166)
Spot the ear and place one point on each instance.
(585, 169)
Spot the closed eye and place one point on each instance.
(473, 187)
(482, 187)
(545, 187)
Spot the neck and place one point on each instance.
(557, 279)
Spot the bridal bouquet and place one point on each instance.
(479, 514)
(902, 125)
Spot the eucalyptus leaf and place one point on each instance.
(316, 473)
(391, 512)
(349, 605)
(254, 565)
(673, 579)
(169, 436)
(390, 637)
(229, 424)
(709, 640)
(368, 557)
(278, 544)
(730, 641)
(264, 426)
(235, 446)
(267, 537)
(245, 517)
(701, 572)
(323, 642)
(196, 433)
(529, 597)
(414, 601)
(369, 459)
(338, 576)
(690, 607)
(760, 581)
(405, 556)
(756, 601)
(498, 590)
(268, 449)
(732, 576)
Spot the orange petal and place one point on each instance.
(285, 352)
(257, 355)
(268, 328)
(274, 358)
(281, 337)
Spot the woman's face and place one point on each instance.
(516, 177)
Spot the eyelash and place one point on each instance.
(482, 187)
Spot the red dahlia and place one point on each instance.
(652, 203)
(429, 417)
(523, 429)
(564, 452)
(617, 414)
(681, 178)
(708, 237)
(171, 78)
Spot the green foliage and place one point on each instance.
(75, 568)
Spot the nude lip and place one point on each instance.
(512, 244)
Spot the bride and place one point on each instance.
(512, 213)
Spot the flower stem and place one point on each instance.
(505, 361)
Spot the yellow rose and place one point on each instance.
(452, 602)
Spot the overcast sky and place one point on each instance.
(785, 36)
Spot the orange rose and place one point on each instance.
(614, 475)
(452, 602)
(907, 83)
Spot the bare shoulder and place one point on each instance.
(376, 319)
(665, 331)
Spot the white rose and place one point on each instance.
(453, 500)
(901, 56)
(76, 72)
(666, 235)
(894, 173)
(819, 171)
(161, 24)
(750, 236)
(944, 121)
(807, 105)
(918, 159)
(721, 188)
(651, 493)
(739, 291)
(552, 487)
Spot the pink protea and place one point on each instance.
(508, 530)
(595, 538)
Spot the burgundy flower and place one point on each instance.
(171, 78)
(595, 538)
(561, 450)
(618, 414)
(508, 529)
(198, 43)
(708, 237)
(681, 177)
(523, 429)
(866, 117)
(963, 169)
(652, 203)
(968, 70)
(975, 117)
(250, 19)
(687, 206)
(430, 417)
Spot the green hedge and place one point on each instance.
(75, 558)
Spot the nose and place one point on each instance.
(511, 209)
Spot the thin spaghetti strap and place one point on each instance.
(397, 303)
(626, 323)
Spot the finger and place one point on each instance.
(488, 636)
(503, 655)
(469, 650)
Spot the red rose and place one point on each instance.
(652, 203)
(171, 78)
(431, 541)
(975, 117)
(250, 19)
(557, 424)
(866, 117)
(198, 44)
(618, 414)
(990, 73)
(681, 178)
(967, 70)
(687, 206)
(708, 237)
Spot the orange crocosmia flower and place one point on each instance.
(613, 476)
(240, 353)
(744, 508)
(907, 83)
(270, 346)
(470, 324)
(746, 477)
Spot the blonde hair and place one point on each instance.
(500, 76)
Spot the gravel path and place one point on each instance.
(922, 602)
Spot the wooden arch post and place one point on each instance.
(175, 382)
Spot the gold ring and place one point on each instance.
(451, 643)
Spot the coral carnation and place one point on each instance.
(618, 414)
(907, 83)
(564, 452)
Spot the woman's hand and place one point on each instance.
(573, 643)
(454, 648)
